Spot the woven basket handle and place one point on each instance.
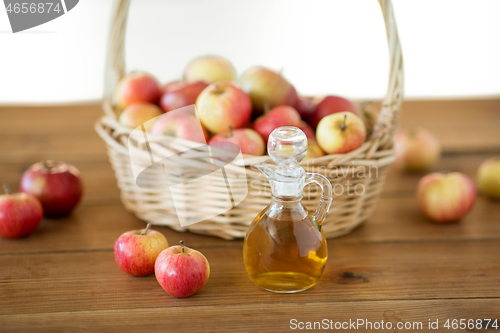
(388, 118)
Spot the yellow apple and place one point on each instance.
(313, 149)
(340, 133)
(209, 69)
(488, 178)
(416, 149)
(446, 198)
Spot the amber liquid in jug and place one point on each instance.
(285, 249)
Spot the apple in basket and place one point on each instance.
(305, 107)
(330, 105)
(209, 69)
(282, 115)
(249, 141)
(416, 149)
(446, 198)
(308, 131)
(57, 185)
(181, 123)
(181, 95)
(171, 86)
(181, 271)
(20, 214)
(265, 86)
(137, 88)
(488, 178)
(137, 114)
(313, 149)
(136, 251)
(340, 133)
(221, 105)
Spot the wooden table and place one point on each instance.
(397, 267)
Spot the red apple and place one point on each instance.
(330, 105)
(488, 178)
(313, 149)
(308, 131)
(221, 105)
(57, 185)
(182, 271)
(340, 133)
(305, 107)
(209, 69)
(137, 88)
(181, 123)
(267, 87)
(20, 214)
(446, 198)
(136, 251)
(137, 114)
(249, 141)
(416, 149)
(171, 86)
(181, 95)
(279, 116)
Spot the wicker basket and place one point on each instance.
(348, 210)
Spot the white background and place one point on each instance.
(451, 48)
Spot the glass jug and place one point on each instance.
(285, 249)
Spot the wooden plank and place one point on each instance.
(396, 219)
(23, 148)
(90, 281)
(52, 120)
(93, 228)
(400, 183)
(263, 317)
(460, 125)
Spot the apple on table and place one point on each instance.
(446, 198)
(136, 251)
(20, 214)
(57, 185)
(416, 149)
(488, 178)
(181, 271)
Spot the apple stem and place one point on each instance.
(217, 89)
(342, 127)
(46, 165)
(6, 189)
(146, 230)
(230, 130)
(182, 246)
(266, 107)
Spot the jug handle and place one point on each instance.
(326, 198)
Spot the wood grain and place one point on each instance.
(89, 281)
(396, 219)
(397, 266)
(258, 317)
